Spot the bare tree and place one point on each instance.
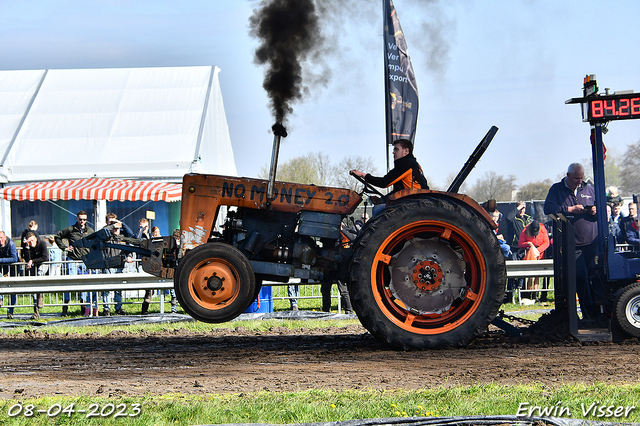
(464, 188)
(612, 169)
(630, 169)
(493, 186)
(341, 175)
(535, 190)
(299, 170)
(434, 186)
(312, 168)
(316, 168)
(325, 169)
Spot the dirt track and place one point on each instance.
(236, 360)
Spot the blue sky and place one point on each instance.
(478, 63)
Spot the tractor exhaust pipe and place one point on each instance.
(279, 132)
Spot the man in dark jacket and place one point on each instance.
(34, 253)
(575, 199)
(406, 172)
(517, 219)
(73, 233)
(125, 231)
(626, 222)
(143, 234)
(8, 255)
(118, 229)
(633, 234)
(115, 227)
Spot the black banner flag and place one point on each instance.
(401, 91)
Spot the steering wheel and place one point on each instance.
(367, 186)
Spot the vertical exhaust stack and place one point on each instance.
(279, 132)
(473, 160)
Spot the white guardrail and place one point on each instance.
(143, 281)
(529, 268)
(81, 283)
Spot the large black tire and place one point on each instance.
(215, 283)
(427, 273)
(627, 309)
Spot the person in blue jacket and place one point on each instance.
(633, 233)
(575, 199)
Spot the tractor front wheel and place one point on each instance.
(427, 273)
(215, 283)
(627, 309)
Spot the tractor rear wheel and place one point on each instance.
(215, 283)
(627, 309)
(427, 273)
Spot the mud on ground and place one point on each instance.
(35, 364)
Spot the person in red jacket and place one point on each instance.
(534, 235)
(535, 239)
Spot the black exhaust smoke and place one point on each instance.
(289, 32)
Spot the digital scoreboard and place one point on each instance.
(613, 107)
(602, 108)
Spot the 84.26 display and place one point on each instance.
(614, 107)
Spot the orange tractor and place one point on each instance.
(427, 272)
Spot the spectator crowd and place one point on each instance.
(56, 255)
(521, 237)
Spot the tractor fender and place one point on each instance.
(465, 200)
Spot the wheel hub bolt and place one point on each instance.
(427, 275)
(214, 283)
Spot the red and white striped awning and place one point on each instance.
(94, 189)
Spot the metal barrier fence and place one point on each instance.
(55, 278)
(57, 281)
(525, 269)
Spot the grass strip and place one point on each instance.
(201, 327)
(569, 401)
(279, 305)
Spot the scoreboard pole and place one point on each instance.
(598, 110)
(597, 156)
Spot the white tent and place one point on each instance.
(127, 123)
(141, 123)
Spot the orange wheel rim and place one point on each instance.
(214, 284)
(397, 310)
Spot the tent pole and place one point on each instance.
(101, 211)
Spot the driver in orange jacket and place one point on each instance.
(406, 172)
